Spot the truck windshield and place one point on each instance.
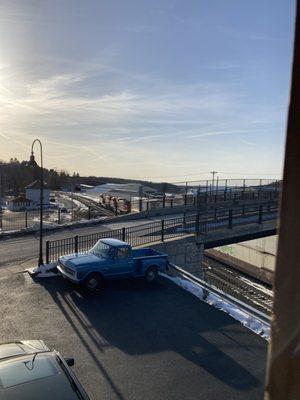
(102, 250)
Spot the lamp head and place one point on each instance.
(32, 162)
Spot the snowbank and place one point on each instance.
(43, 271)
(248, 321)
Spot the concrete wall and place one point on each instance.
(183, 252)
(259, 252)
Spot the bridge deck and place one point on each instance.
(137, 342)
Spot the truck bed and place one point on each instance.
(146, 253)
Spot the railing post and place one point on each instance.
(147, 205)
(230, 224)
(185, 199)
(260, 214)
(58, 216)
(184, 220)
(162, 230)
(171, 203)
(197, 224)
(225, 190)
(47, 251)
(76, 244)
(26, 220)
(89, 213)
(164, 201)
(124, 234)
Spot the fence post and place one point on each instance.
(76, 244)
(185, 199)
(164, 201)
(162, 230)
(147, 205)
(243, 210)
(123, 234)
(58, 216)
(171, 203)
(26, 219)
(184, 220)
(89, 213)
(230, 224)
(47, 252)
(197, 224)
(260, 214)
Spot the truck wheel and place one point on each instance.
(151, 274)
(93, 282)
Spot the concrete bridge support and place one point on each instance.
(186, 253)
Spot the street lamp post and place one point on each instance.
(33, 163)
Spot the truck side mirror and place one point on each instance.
(70, 361)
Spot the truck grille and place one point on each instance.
(66, 269)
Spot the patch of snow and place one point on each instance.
(247, 320)
(257, 286)
(43, 271)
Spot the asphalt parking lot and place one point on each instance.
(136, 342)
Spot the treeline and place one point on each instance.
(15, 175)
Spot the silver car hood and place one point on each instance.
(22, 347)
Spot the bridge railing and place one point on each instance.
(165, 229)
(203, 196)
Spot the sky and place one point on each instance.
(154, 89)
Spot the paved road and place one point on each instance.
(22, 248)
(137, 342)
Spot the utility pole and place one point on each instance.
(213, 179)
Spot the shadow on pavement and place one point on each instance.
(140, 319)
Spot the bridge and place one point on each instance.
(198, 231)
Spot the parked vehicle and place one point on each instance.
(111, 259)
(30, 371)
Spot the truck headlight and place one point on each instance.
(80, 275)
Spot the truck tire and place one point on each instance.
(93, 282)
(151, 274)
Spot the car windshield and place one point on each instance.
(16, 372)
(102, 250)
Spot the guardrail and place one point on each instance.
(160, 230)
(258, 315)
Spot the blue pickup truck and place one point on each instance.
(111, 259)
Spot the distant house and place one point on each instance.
(20, 203)
(33, 193)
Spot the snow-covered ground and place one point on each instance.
(248, 321)
(78, 205)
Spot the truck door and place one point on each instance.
(122, 264)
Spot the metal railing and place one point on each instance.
(262, 317)
(160, 230)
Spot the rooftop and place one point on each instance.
(36, 185)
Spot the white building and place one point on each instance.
(33, 193)
(19, 203)
(122, 190)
